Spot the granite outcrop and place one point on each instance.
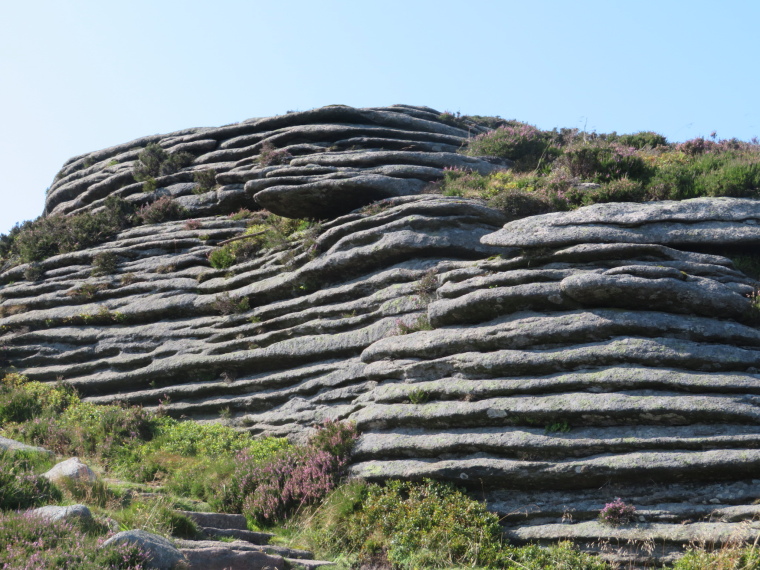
(549, 364)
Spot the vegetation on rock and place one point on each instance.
(567, 168)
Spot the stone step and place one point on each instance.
(258, 538)
(223, 558)
(217, 520)
(309, 564)
(242, 545)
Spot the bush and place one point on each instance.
(163, 209)
(20, 487)
(205, 180)
(730, 557)
(226, 305)
(222, 258)
(413, 525)
(463, 183)
(622, 190)
(522, 143)
(47, 236)
(22, 400)
(642, 139)
(271, 490)
(272, 231)
(106, 433)
(270, 155)
(601, 161)
(104, 263)
(517, 204)
(191, 439)
(154, 161)
(617, 512)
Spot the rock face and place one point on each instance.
(551, 364)
(315, 164)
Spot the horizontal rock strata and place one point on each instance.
(312, 164)
(548, 365)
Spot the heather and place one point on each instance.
(33, 544)
(565, 169)
(272, 489)
(36, 240)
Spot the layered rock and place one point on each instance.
(316, 164)
(550, 365)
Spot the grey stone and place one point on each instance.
(700, 221)
(13, 445)
(53, 513)
(221, 558)
(71, 470)
(162, 554)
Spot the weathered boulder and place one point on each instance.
(161, 554)
(71, 470)
(13, 445)
(54, 513)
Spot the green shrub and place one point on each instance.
(621, 190)
(562, 556)
(414, 525)
(222, 258)
(20, 487)
(730, 557)
(524, 144)
(463, 183)
(154, 161)
(47, 236)
(274, 488)
(601, 161)
(163, 209)
(226, 305)
(270, 155)
(205, 180)
(641, 140)
(272, 231)
(105, 433)
(22, 400)
(192, 439)
(104, 263)
(516, 203)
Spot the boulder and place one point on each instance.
(71, 470)
(13, 445)
(161, 554)
(54, 513)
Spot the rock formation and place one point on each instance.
(550, 365)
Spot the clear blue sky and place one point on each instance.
(78, 76)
